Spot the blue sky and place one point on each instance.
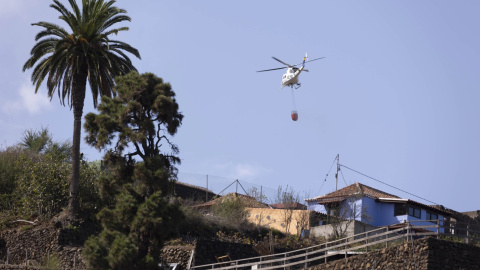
(396, 96)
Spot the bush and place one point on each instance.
(8, 158)
(42, 183)
(36, 184)
(232, 209)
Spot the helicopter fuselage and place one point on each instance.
(290, 78)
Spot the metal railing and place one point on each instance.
(359, 243)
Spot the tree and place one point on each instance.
(67, 60)
(304, 217)
(140, 218)
(142, 115)
(35, 140)
(289, 199)
(258, 195)
(231, 208)
(341, 215)
(41, 141)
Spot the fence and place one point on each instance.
(356, 244)
(223, 185)
(51, 262)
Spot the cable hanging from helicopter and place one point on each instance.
(290, 78)
(294, 105)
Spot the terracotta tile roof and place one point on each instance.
(352, 190)
(357, 188)
(294, 205)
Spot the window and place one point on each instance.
(268, 217)
(400, 209)
(432, 216)
(414, 212)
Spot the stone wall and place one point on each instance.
(177, 254)
(38, 244)
(451, 255)
(66, 243)
(427, 253)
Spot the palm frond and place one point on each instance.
(60, 57)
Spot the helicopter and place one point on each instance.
(290, 78)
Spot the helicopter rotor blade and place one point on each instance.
(271, 69)
(282, 62)
(310, 61)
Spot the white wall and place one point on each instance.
(316, 207)
(355, 227)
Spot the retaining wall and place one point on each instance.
(37, 244)
(427, 254)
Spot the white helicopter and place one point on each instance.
(290, 78)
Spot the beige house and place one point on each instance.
(290, 221)
(292, 218)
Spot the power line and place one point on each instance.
(326, 176)
(344, 178)
(388, 184)
(330, 168)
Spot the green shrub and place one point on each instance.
(231, 209)
(38, 184)
(42, 183)
(8, 158)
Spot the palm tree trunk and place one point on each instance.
(78, 99)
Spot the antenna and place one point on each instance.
(336, 174)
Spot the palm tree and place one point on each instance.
(68, 60)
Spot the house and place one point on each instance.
(192, 192)
(375, 207)
(292, 218)
(297, 221)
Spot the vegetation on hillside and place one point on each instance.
(34, 178)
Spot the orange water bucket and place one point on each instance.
(294, 116)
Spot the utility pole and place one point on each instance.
(336, 174)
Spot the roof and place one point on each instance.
(294, 205)
(249, 201)
(193, 186)
(351, 190)
(373, 193)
